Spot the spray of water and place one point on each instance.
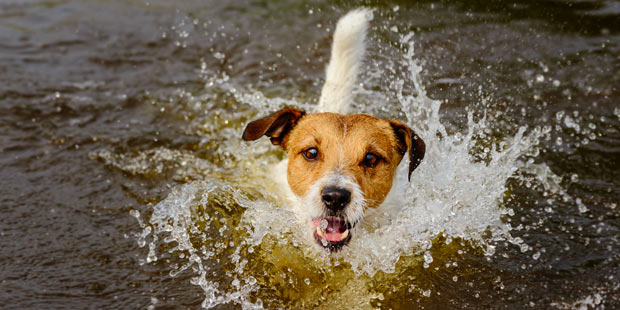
(234, 235)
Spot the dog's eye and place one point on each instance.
(371, 160)
(310, 153)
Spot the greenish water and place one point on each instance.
(125, 183)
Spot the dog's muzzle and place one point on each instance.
(333, 232)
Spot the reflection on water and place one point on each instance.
(123, 151)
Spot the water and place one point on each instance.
(126, 185)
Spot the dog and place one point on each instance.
(339, 165)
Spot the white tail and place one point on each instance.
(347, 53)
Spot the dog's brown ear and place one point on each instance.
(409, 140)
(275, 126)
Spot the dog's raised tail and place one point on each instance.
(347, 53)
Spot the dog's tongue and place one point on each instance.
(332, 228)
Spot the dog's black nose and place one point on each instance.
(335, 198)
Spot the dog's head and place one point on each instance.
(338, 165)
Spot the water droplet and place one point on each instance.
(490, 250)
(428, 258)
(571, 123)
(581, 206)
(574, 177)
(323, 224)
(134, 213)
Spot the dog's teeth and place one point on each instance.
(320, 232)
(344, 234)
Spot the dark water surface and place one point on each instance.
(106, 106)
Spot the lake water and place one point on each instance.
(125, 183)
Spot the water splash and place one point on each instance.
(453, 192)
(233, 233)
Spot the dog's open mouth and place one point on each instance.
(332, 232)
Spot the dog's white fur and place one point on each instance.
(347, 53)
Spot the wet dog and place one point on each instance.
(339, 165)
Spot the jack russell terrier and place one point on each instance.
(339, 165)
